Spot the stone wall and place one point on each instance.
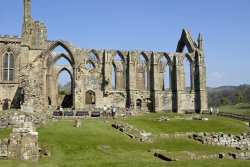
(23, 141)
(12, 120)
(220, 139)
(139, 80)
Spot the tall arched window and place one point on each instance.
(92, 61)
(164, 76)
(188, 76)
(118, 72)
(142, 73)
(8, 66)
(90, 65)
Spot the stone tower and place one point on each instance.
(26, 13)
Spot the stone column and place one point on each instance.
(200, 82)
(177, 87)
(155, 83)
(107, 68)
(26, 9)
(23, 141)
(131, 79)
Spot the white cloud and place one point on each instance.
(218, 75)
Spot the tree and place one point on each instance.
(238, 97)
(224, 101)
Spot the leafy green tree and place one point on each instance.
(224, 101)
(238, 97)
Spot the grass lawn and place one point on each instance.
(243, 108)
(81, 147)
(215, 124)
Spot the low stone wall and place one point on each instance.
(132, 132)
(23, 141)
(4, 148)
(241, 142)
(11, 120)
(196, 117)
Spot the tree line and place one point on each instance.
(228, 95)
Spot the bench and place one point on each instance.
(95, 114)
(57, 113)
(82, 113)
(68, 113)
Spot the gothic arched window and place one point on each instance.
(8, 66)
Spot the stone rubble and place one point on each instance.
(11, 120)
(132, 132)
(241, 141)
(23, 141)
(164, 118)
(78, 123)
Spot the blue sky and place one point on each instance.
(153, 25)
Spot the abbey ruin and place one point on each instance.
(29, 76)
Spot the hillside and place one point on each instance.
(228, 95)
(221, 88)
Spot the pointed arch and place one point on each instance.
(8, 65)
(118, 71)
(65, 69)
(186, 40)
(58, 57)
(9, 48)
(45, 54)
(48, 64)
(142, 72)
(90, 65)
(166, 55)
(65, 96)
(165, 76)
(144, 55)
(118, 53)
(93, 58)
(188, 67)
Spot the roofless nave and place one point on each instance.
(29, 74)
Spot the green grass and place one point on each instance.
(75, 147)
(215, 124)
(243, 108)
(5, 133)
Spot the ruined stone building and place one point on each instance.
(28, 78)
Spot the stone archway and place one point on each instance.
(138, 104)
(90, 98)
(49, 60)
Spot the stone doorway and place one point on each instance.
(90, 98)
(138, 104)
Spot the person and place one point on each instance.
(104, 113)
(61, 110)
(211, 110)
(105, 108)
(9, 104)
(113, 112)
(217, 111)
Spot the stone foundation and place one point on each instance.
(23, 141)
(241, 142)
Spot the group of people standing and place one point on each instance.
(211, 111)
(112, 110)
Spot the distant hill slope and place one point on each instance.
(221, 88)
(227, 95)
